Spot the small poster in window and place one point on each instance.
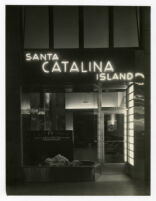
(111, 126)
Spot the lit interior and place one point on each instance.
(130, 120)
(89, 100)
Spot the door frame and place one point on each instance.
(101, 139)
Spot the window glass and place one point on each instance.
(131, 147)
(131, 89)
(131, 111)
(66, 31)
(125, 27)
(131, 125)
(125, 155)
(131, 161)
(131, 103)
(96, 34)
(131, 154)
(36, 27)
(131, 140)
(131, 117)
(131, 132)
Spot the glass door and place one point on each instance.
(114, 138)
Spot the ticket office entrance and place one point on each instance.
(77, 113)
(85, 136)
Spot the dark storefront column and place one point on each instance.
(13, 55)
(142, 62)
(100, 126)
(146, 44)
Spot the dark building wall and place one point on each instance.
(146, 43)
(143, 61)
(142, 139)
(13, 55)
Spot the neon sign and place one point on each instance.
(104, 70)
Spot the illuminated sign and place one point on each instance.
(51, 63)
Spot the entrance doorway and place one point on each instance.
(85, 137)
(114, 138)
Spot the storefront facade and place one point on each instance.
(82, 98)
(90, 86)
